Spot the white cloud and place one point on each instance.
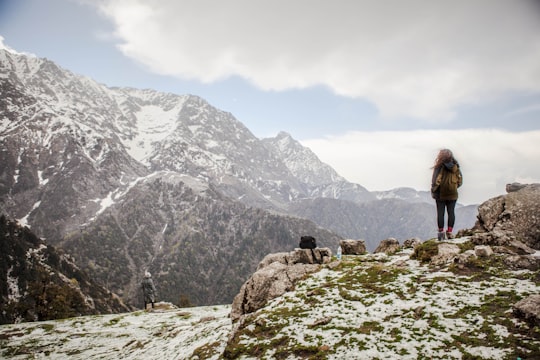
(411, 58)
(489, 159)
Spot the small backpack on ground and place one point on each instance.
(308, 242)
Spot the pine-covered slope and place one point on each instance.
(39, 283)
(199, 244)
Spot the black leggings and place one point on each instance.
(450, 206)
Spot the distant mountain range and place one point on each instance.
(127, 180)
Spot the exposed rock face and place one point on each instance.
(275, 275)
(529, 309)
(353, 247)
(511, 218)
(518, 262)
(387, 246)
(464, 257)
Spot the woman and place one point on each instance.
(149, 290)
(445, 181)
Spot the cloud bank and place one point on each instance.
(414, 58)
(489, 159)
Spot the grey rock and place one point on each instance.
(412, 243)
(519, 262)
(275, 275)
(352, 247)
(446, 254)
(529, 309)
(464, 257)
(388, 246)
(483, 251)
(510, 218)
(514, 187)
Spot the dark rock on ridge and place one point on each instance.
(513, 218)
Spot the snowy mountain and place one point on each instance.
(126, 180)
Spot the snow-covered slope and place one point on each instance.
(366, 307)
(164, 333)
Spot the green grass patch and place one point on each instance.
(425, 251)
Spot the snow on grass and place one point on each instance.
(364, 307)
(372, 308)
(165, 333)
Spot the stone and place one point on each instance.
(388, 246)
(465, 257)
(275, 275)
(519, 262)
(446, 253)
(514, 216)
(412, 243)
(353, 247)
(514, 187)
(528, 309)
(483, 251)
(521, 248)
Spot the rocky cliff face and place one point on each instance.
(514, 217)
(127, 180)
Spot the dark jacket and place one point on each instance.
(149, 290)
(449, 175)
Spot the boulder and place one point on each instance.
(514, 187)
(519, 262)
(412, 243)
(352, 247)
(387, 246)
(529, 309)
(446, 253)
(510, 217)
(483, 251)
(275, 275)
(465, 257)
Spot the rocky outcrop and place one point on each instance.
(529, 309)
(388, 246)
(353, 247)
(511, 220)
(411, 243)
(275, 275)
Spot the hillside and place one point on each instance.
(40, 283)
(373, 306)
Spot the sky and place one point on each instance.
(374, 87)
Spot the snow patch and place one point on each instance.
(13, 287)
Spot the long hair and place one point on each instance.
(444, 156)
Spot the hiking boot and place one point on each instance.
(449, 235)
(441, 236)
